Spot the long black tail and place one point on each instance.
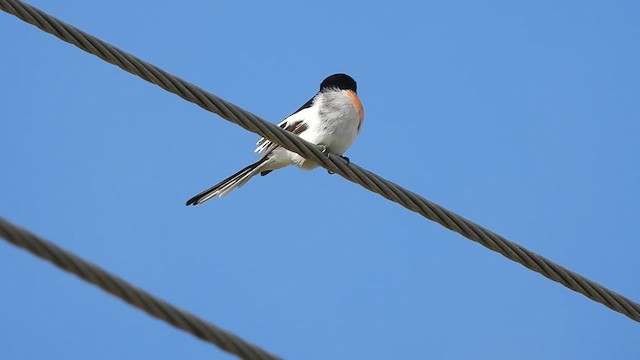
(227, 185)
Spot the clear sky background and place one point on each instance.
(522, 117)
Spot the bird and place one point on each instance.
(331, 119)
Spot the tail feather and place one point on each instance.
(229, 184)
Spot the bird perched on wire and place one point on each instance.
(331, 119)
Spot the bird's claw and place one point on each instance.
(326, 153)
(324, 150)
(343, 158)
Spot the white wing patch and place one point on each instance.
(264, 143)
(294, 123)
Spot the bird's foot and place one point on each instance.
(343, 158)
(326, 152)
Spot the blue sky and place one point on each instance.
(521, 117)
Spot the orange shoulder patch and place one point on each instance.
(359, 108)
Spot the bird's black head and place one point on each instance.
(339, 81)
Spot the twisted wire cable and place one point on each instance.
(351, 171)
(129, 293)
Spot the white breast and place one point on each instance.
(336, 126)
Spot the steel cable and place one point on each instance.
(131, 294)
(351, 171)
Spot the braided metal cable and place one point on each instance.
(351, 171)
(129, 293)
